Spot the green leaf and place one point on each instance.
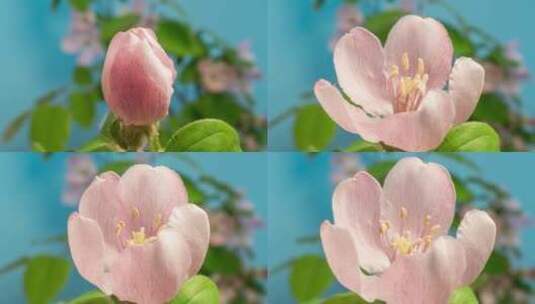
(197, 290)
(345, 298)
(82, 75)
(111, 26)
(179, 39)
(380, 24)
(462, 44)
(118, 167)
(98, 144)
(44, 278)
(379, 170)
(222, 260)
(497, 264)
(471, 137)
(310, 276)
(82, 107)
(491, 108)
(463, 295)
(14, 126)
(80, 5)
(363, 146)
(50, 128)
(92, 297)
(205, 135)
(313, 129)
(195, 194)
(220, 106)
(464, 194)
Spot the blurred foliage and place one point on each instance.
(75, 107)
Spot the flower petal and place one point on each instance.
(343, 260)
(192, 223)
(89, 252)
(430, 277)
(152, 273)
(477, 233)
(466, 84)
(154, 191)
(359, 62)
(356, 206)
(420, 130)
(423, 190)
(101, 203)
(423, 38)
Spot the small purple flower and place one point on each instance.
(80, 173)
(83, 38)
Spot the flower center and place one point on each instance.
(136, 233)
(406, 242)
(408, 90)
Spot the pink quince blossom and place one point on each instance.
(81, 170)
(347, 17)
(83, 38)
(138, 77)
(506, 80)
(217, 76)
(391, 243)
(136, 236)
(397, 91)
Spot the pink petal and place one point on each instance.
(422, 189)
(424, 278)
(154, 191)
(152, 273)
(343, 260)
(192, 223)
(477, 233)
(101, 203)
(466, 84)
(421, 38)
(89, 252)
(359, 63)
(356, 206)
(149, 34)
(421, 130)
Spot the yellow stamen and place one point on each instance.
(136, 212)
(385, 225)
(138, 237)
(394, 71)
(421, 67)
(403, 245)
(119, 227)
(405, 61)
(403, 213)
(157, 221)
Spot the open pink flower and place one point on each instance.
(391, 243)
(138, 77)
(136, 236)
(397, 92)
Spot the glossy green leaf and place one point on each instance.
(197, 290)
(205, 135)
(313, 129)
(82, 107)
(92, 297)
(50, 127)
(345, 298)
(471, 137)
(44, 278)
(179, 39)
(310, 276)
(381, 24)
(463, 295)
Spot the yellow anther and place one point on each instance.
(138, 237)
(434, 229)
(403, 213)
(136, 212)
(421, 67)
(403, 245)
(405, 61)
(394, 71)
(385, 225)
(157, 221)
(427, 220)
(119, 227)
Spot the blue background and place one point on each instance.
(299, 53)
(31, 208)
(300, 192)
(32, 61)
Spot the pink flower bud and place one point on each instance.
(137, 78)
